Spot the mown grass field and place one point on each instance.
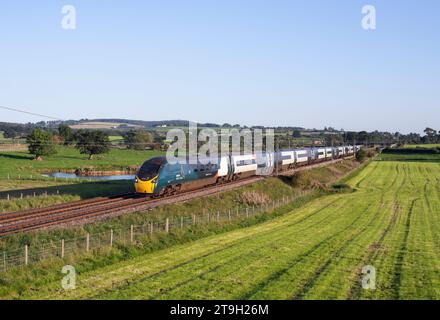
(317, 251)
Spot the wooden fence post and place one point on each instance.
(4, 260)
(87, 242)
(247, 212)
(131, 233)
(62, 248)
(194, 219)
(111, 237)
(26, 255)
(8, 196)
(218, 216)
(181, 222)
(167, 225)
(151, 228)
(229, 215)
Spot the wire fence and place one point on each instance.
(134, 234)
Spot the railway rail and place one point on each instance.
(82, 211)
(94, 209)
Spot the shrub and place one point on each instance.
(361, 155)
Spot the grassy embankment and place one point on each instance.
(17, 282)
(314, 251)
(25, 176)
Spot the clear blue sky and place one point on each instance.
(254, 62)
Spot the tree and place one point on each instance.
(431, 135)
(40, 144)
(66, 133)
(137, 139)
(296, 134)
(92, 142)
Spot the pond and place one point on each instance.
(62, 175)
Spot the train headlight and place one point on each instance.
(136, 180)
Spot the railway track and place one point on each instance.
(94, 209)
(82, 211)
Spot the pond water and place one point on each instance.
(62, 175)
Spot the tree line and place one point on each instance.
(42, 142)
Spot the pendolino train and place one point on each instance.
(158, 177)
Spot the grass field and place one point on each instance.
(316, 251)
(422, 146)
(16, 163)
(19, 166)
(418, 157)
(19, 174)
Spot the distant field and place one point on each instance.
(315, 252)
(100, 125)
(423, 146)
(116, 138)
(409, 155)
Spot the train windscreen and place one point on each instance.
(150, 169)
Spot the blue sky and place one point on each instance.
(254, 62)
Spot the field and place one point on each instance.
(317, 251)
(422, 146)
(19, 174)
(17, 164)
(101, 125)
(410, 155)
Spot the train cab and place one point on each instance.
(148, 174)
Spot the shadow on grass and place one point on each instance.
(16, 156)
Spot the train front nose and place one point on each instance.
(145, 186)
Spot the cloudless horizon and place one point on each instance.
(252, 62)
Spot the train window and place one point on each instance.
(246, 162)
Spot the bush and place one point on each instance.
(361, 155)
(301, 179)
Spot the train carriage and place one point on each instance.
(158, 177)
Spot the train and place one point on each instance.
(157, 177)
